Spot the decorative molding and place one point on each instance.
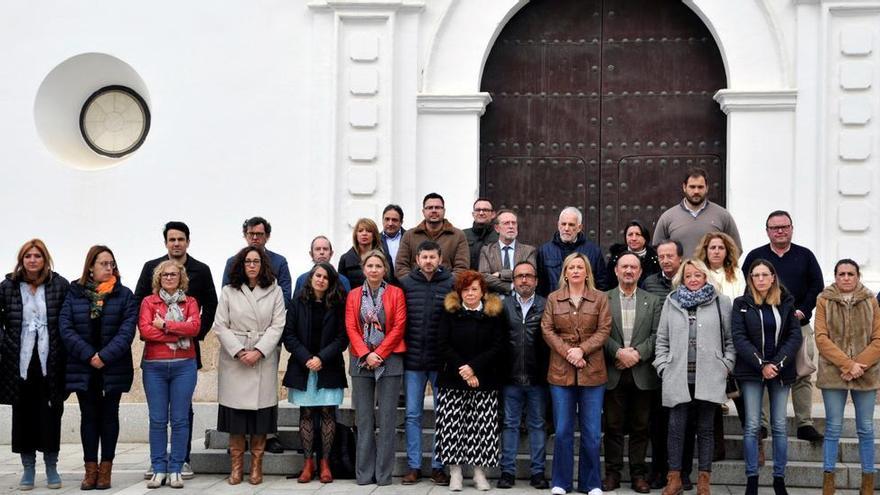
(466, 103)
(760, 101)
(401, 5)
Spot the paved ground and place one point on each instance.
(131, 460)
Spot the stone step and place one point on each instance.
(729, 472)
(798, 450)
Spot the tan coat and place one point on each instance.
(455, 256)
(846, 333)
(586, 326)
(248, 320)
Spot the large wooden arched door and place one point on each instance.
(601, 104)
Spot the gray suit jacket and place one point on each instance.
(648, 309)
(491, 262)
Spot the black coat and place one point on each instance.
(424, 307)
(56, 288)
(748, 339)
(350, 267)
(528, 356)
(118, 323)
(650, 264)
(475, 338)
(296, 338)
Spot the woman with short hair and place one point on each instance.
(470, 341)
(249, 323)
(98, 321)
(364, 238)
(315, 337)
(848, 339)
(169, 322)
(576, 323)
(375, 320)
(694, 354)
(767, 336)
(32, 359)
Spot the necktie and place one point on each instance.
(507, 258)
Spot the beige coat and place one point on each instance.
(847, 332)
(248, 320)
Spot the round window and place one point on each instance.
(114, 121)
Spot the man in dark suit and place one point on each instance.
(392, 233)
(629, 350)
(497, 259)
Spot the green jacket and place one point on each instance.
(648, 308)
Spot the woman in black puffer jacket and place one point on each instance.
(98, 321)
(767, 336)
(32, 359)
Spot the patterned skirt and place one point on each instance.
(468, 427)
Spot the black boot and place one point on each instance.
(779, 486)
(752, 485)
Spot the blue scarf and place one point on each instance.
(692, 298)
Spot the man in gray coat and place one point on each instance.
(629, 352)
(498, 258)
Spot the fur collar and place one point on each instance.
(491, 304)
(832, 293)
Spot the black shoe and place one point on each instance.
(686, 484)
(658, 481)
(752, 485)
(809, 434)
(538, 481)
(779, 486)
(506, 481)
(274, 446)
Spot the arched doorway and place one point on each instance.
(602, 104)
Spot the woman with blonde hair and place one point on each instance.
(694, 354)
(364, 238)
(719, 252)
(169, 322)
(576, 323)
(32, 359)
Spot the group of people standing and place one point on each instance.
(645, 343)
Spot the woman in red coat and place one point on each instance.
(375, 318)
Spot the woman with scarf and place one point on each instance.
(249, 323)
(315, 337)
(848, 339)
(637, 240)
(97, 322)
(694, 354)
(32, 359)
(576, 324)
(364, 238)
(169, 320)
(375, 319)
(767, 336)
(470, 340)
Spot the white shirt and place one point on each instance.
(393, 244)
(526, 304)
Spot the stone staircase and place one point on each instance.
(804, 459)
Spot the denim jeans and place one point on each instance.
(863, 400)
(582, 404)
(414, 383)
(534, 399)
(169, 386)
(753, 398)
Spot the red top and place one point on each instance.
(156, 339)
(394, 305)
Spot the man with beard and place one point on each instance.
(688, 221)
(568, 239)
(435, 227)
(498, 258)
(482, 233)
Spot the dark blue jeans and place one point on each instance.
(753, 398)
(414, 383)
(584, 405)
(169, 386)
(532, 398)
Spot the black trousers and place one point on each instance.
(659, 433)
(99, 423)
(627, 410)
(679, 416)
(36, 424)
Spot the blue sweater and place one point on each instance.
(798, 271)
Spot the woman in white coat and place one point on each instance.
(249, 323)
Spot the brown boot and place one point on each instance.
(673, 483)
(258, 448)
(703, 482)
(90, 479)
(327, 476)
(308, 471)
(105, 469)
(236, 457)
(867, 484)
(828, 483)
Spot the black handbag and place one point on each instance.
(732, 387)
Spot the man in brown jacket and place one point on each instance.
(435, 227)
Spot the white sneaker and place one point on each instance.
(175, 480)
(186, 471)
(557, 490)
(455, 478)
(480, 479)
(148, 473)
(157, 480)
(595, 491)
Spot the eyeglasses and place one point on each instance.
(255, 235)
(524, 276)
(106, 264)
(762, 275)
(778, 228)
(252, 262)
(483, 210)
(169, 275)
